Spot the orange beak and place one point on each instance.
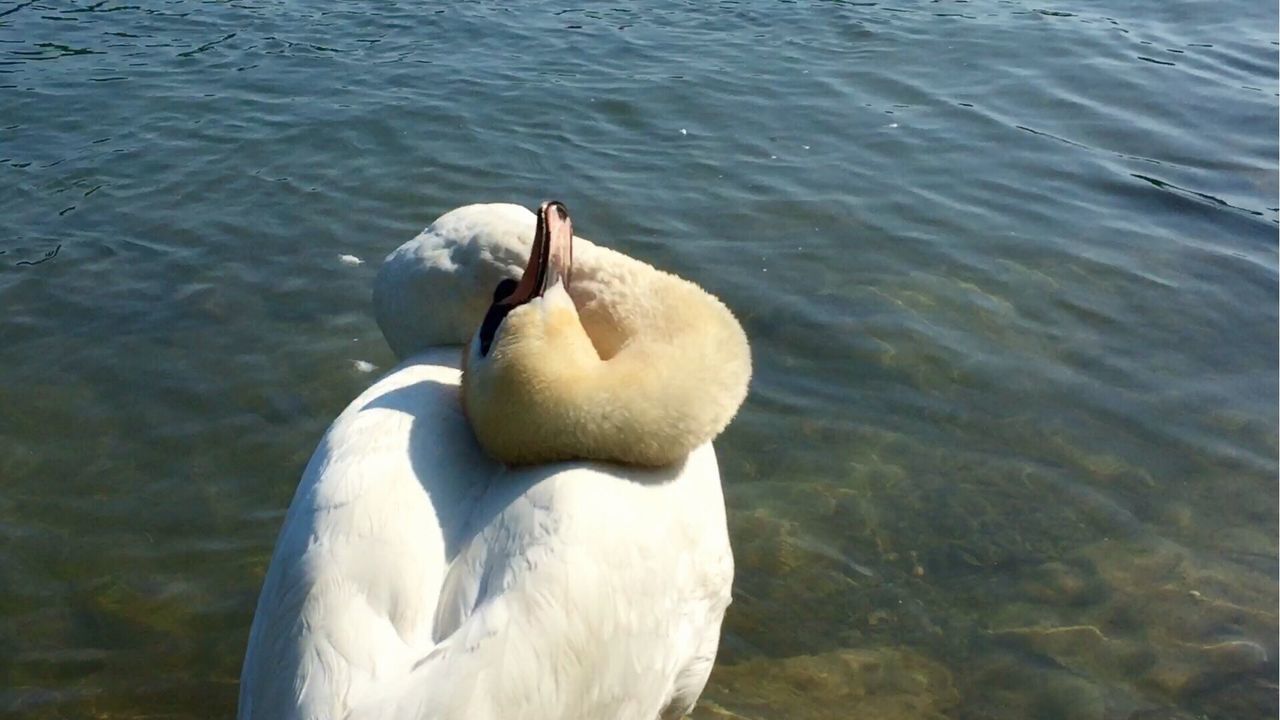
(551, 259)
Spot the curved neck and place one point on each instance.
(675, 380)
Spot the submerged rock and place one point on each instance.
(880, 683)
(1010, 685)
(1058, 583)
(1168, 628)
(1044, 596)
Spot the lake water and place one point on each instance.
(1009, 269)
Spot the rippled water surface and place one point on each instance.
(1010, 272)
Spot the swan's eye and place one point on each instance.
(497, 313)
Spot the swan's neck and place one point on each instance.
(544, 393)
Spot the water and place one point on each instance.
(1009, 269)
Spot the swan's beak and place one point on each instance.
(553, 219)
(551, 259)
(550, 262)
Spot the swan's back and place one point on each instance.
(416, 579)
(584, 596)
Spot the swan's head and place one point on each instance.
(542, 288)
(536, 388)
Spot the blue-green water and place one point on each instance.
(1009, 269)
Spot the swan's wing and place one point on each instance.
(701, 647)
(350, 596)
(434, 289)
(584, 594)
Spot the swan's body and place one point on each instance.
(415, 577)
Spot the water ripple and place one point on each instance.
(1009, 270)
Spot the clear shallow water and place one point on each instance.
(1009, 270)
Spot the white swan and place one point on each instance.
(416, 577)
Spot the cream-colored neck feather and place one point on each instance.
(649, 368)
